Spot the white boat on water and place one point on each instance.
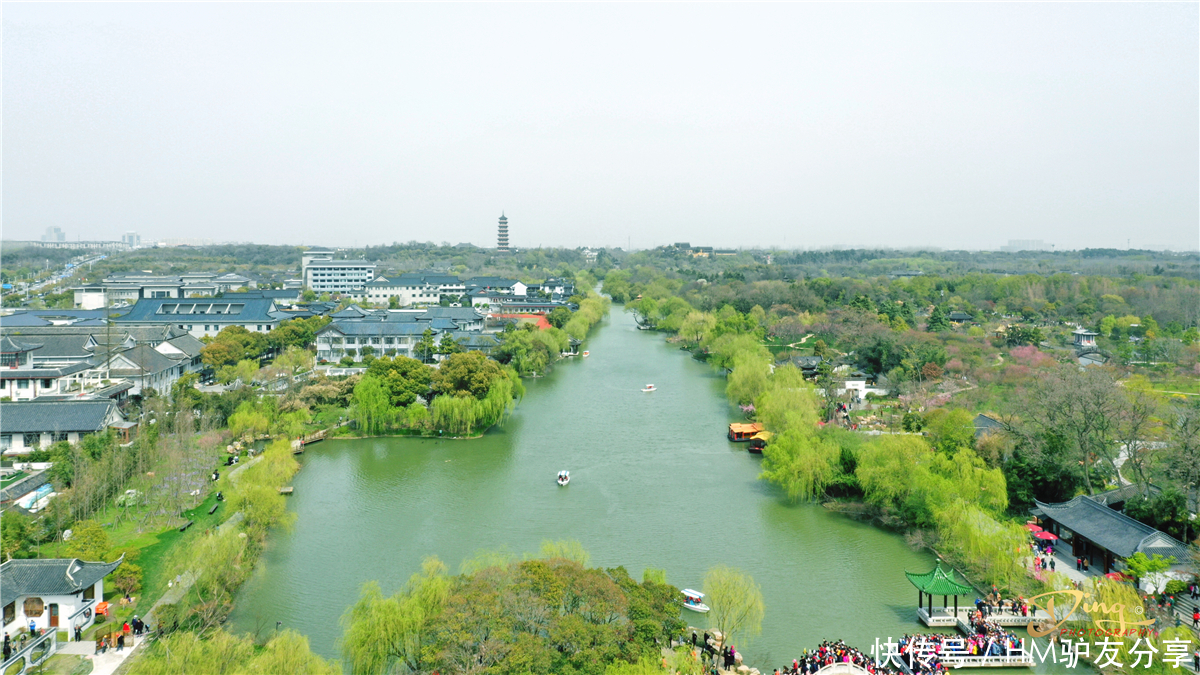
(649, 387)
(586, 354)
(691, 600)
(564, 477)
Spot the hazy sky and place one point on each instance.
(794, 125)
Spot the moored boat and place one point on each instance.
(692, 600)
(759, 441)
(739, 432)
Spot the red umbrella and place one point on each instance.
(1048, 536)
(1033, 527)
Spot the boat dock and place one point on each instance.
(315, 437)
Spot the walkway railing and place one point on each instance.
(842, 669)
(987, 661)
(33, 654)
(947, 617)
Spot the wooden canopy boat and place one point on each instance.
(739, 432)
(759, 441)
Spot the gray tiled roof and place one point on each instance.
(1113, 530)
(11, 346)
(44, 373)
(350, 312)
(491, 282)
(454, 313)
(145, 359)
(47, 317)
(69, 345)
(480, 340)
(56, 576)
(1124, 493)
(187, 344)
(375, 328)
(230, 309)
(17, 417)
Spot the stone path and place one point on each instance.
(102, 664)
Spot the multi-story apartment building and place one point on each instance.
(129, 288)
(414, 289)
(322, 273)
(203, 318)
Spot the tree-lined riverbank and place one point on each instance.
(654, 485)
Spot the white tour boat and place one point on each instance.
(564, 477)
(649, 387)
(691, 600)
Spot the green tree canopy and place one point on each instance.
(735, 601)
(467, 373)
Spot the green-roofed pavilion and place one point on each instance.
(938, 581)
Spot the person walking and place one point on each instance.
(1196, 591)
(8, 647)
(1196, 659)
(1196, 619)
(120, 641)
(78, 633)
(1051, 564)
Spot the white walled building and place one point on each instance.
(206, 317)
(56, 593)
(32, 425)
(321, 273)
(414, 289)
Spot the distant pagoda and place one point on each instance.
(502, 236)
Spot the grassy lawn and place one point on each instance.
(154, 549)
(65, 664)
(1187, 385)
(327, 416)
(9, 480)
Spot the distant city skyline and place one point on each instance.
(954, 126)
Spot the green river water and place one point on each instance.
(654, 483)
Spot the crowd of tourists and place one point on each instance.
(829, 653)
(992, 603)
(922, 653)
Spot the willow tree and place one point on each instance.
(748, 378)
(248, 420)
(996, 550)
(787, 401)
(183, 652)
(455, 414)
(735, 601)
(568, 549)
(372, 407)
(801, 463)
(384, 632)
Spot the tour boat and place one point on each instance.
(564, 477)
(586, 354)
(759, 441)
(691, 600)
(649, 387)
